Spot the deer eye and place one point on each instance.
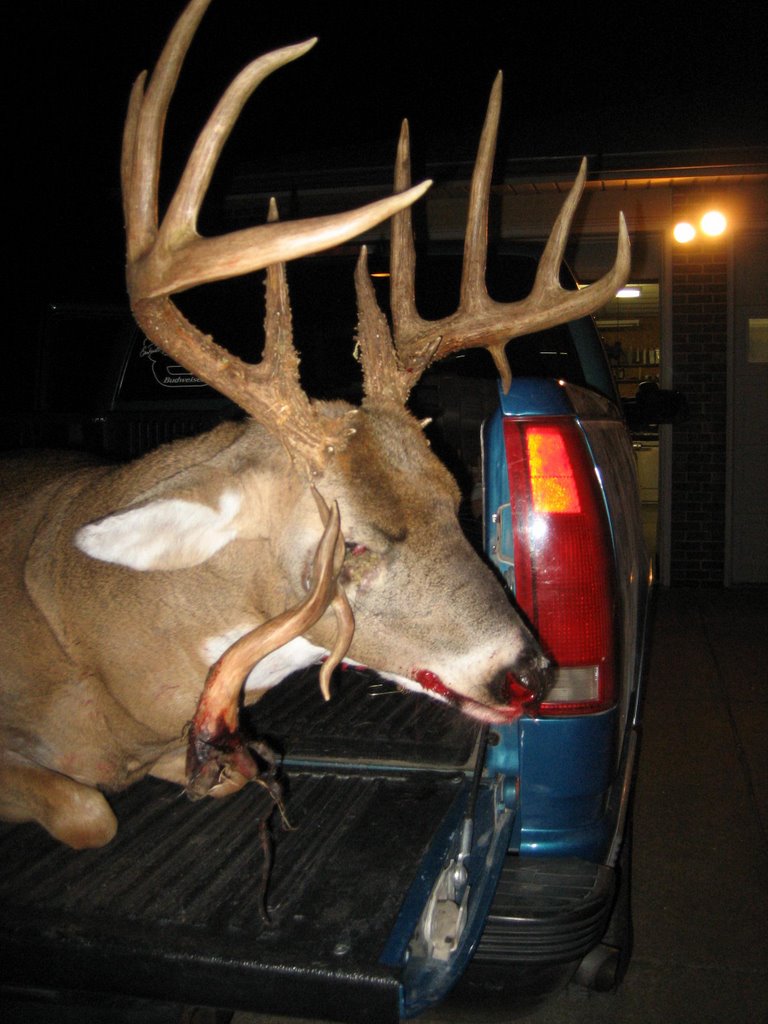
(355, 549)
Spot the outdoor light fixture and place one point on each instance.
(630, 292)
(684, 232)
(712, 223)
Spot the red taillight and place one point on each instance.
(553, 485)
(563, 563)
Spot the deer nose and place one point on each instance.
(528, 679)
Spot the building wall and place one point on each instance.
(700, 355)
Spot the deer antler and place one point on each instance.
(217, 757)
(168, 257)
(479, 322)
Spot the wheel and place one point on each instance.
(604, 967)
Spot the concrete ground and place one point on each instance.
(700, 873)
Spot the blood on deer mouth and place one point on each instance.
(518, 698)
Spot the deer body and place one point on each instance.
(123, 652)
(135, 599)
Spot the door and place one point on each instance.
(747, 549)
(631, 326)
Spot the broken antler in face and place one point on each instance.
(218, 762)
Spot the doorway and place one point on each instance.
(746, 517)
(631, 325)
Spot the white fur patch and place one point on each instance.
(213, 648)
(296, 654)
(272, 669)
(166, 534)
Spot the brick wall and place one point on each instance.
(699, 346)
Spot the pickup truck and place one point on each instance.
(423, 855)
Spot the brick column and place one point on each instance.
(699, 347)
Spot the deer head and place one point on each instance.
(407, 562)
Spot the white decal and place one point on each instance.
(168, 374)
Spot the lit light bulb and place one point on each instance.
(684, 232)
(713, 223)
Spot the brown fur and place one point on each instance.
(101, 665)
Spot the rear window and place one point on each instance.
(151, 377)
(323, 302)
(81, 358)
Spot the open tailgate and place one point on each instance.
(171, 909)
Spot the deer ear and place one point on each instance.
(169, 533)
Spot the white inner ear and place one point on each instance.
(166, 534)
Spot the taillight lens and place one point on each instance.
(563, 563)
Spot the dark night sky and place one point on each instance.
(575, 81)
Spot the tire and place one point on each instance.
(604, 967)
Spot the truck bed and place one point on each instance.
(171, 909)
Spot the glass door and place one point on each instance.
(630, 325)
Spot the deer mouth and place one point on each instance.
(516, 697)
(510, 697)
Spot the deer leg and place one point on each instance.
(73, 813)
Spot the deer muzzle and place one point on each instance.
(504, 698)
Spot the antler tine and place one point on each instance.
(172, 257)
(279, 364)
(383, 376)
(182, 212)
(481, 322)
(168, 257)
(473, 287)
(143, 133)
(405, 317)
(345, 619)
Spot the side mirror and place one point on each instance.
(653, 405)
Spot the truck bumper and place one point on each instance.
(547, 911)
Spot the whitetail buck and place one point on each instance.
(122, 586)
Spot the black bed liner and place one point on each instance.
(367, 721)
(170, 910)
